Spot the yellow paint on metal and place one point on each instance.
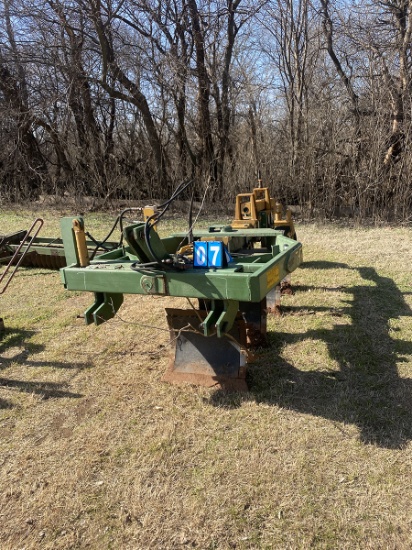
(148, 212)
(81, 245)
(272, 276)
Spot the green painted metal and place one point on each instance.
(249, 278)
(221, 316)
(104, 308)
(135, 236)
(69, 241)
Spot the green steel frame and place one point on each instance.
(249, 278)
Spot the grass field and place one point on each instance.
(97, 452)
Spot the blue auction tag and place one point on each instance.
(215, 254)
(210, 254)
(200, 254)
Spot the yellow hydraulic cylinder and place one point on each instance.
(82, 251)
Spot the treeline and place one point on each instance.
(124, 99)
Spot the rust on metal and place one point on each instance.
(273, 302)
(217, 382)
(212, 361)
(255, 317)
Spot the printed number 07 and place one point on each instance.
(215, 249)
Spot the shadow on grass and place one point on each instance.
(366, 390)
(5, 404)
(46, 389)
(16, 338)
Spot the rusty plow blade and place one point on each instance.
(206, 361)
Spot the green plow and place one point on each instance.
(212, 341)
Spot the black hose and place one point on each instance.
(119, 220)
(157, 216)
(150, 223)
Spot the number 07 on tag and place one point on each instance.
(210, 254)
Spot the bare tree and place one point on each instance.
(24, 175)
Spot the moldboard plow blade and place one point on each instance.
(206, 361)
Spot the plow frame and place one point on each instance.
(210, 345)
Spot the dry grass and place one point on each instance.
(96, 452)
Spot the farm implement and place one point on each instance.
(15, 248)
(259, 209)
(42, 252)
(230, 276)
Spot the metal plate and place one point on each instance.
(206, 361)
